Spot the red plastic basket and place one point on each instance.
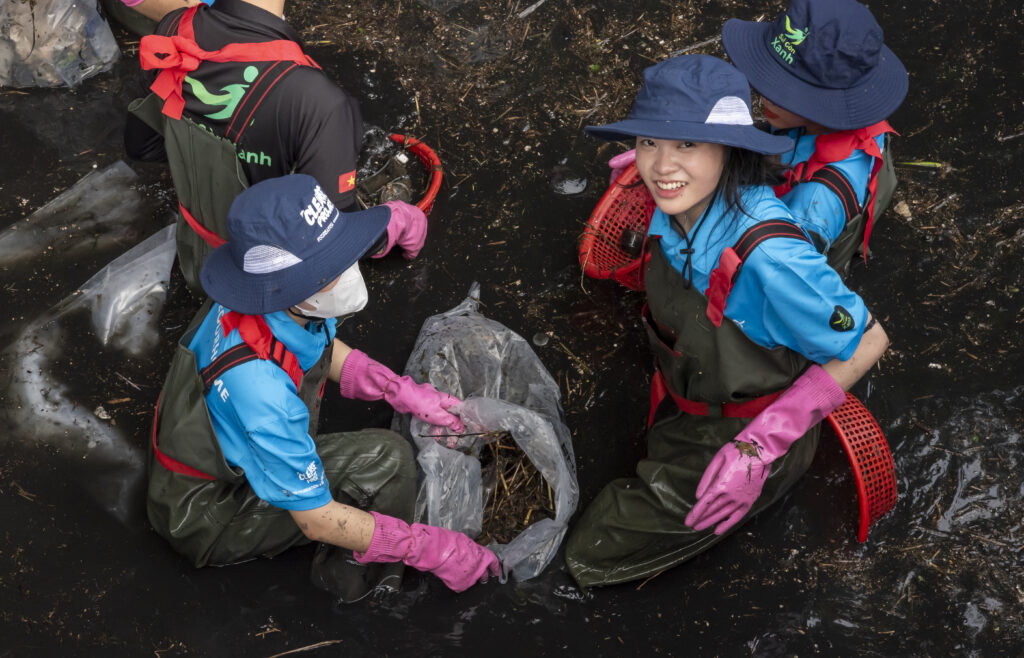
(430, 160)
(874, 471)
(627, 205)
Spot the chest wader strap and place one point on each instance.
(722, 278)
(748, 409)
(236, 356)
(208, 236)
(168, 462)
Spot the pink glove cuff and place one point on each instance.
(390, 543)
(352, 372)
(820, 390)
(407, 228)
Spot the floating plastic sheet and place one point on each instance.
(50, 43)
(124, 301)
(505, 388)
(101, 211)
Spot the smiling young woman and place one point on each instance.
(755, 337)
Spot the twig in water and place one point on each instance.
(695, 46)
(309, 648)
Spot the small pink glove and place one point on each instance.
(619, 164)
(407, 229)
(735, 476)
(362, 378)
(451, 556)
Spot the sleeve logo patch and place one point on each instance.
(841, 320)
(347, 182)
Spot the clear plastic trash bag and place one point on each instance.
(124, 301)
(504, 387)
(49, 43)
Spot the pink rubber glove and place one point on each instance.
(407, 229)
(735, 476)
(362, 378)
(619, 164)
(451, 556)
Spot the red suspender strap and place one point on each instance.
(749, 409)
(170, 463)
(731, 261)
(256, 334)
(206, 234)
(179, 55)
(720, 285)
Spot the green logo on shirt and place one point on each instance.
(230, 96)
(841, 319)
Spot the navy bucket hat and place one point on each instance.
(698, 98)
(823, 60)
(286, 240)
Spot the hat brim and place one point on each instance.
(740, 136)
(256, 294)
(871, 100)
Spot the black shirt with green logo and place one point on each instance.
(304, 123)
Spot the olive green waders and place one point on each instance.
(850, 242)
(221, 520)
(207, 177)
(128, 18)
(634, 527)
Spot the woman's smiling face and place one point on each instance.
(681, 175)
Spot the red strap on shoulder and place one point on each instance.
(256, 334)
(179, 55)
(208, 236)
(836, 146)
(720, 285)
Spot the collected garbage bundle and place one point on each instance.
(509, 479)
(49, 43)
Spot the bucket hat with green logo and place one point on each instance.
(823, 60)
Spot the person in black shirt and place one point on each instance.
(236, 101)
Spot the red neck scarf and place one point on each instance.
(256, 334)
(179, 55)
(837, 146)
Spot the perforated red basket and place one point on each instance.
(874, 471)
(627, 205)
(432, 163)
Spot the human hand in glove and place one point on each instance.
(734, 478)
(451, 556)
(620, 163)
(407, 229)
(362, 378)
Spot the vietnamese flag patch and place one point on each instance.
(347, 182)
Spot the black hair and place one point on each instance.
(743, 168)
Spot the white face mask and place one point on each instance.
(348, 296)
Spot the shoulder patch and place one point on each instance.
(841, 320)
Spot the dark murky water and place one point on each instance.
(941, 574)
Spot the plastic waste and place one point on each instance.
(124, 301)
(98, 212)
(49, 43)
(505, 388)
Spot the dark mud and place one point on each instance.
(502, 100)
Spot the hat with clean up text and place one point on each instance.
(697, 98)
(286, 241)
(823, 60)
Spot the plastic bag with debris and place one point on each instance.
(49, 43)
(507, 393)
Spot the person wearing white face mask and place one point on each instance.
(237, 468)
